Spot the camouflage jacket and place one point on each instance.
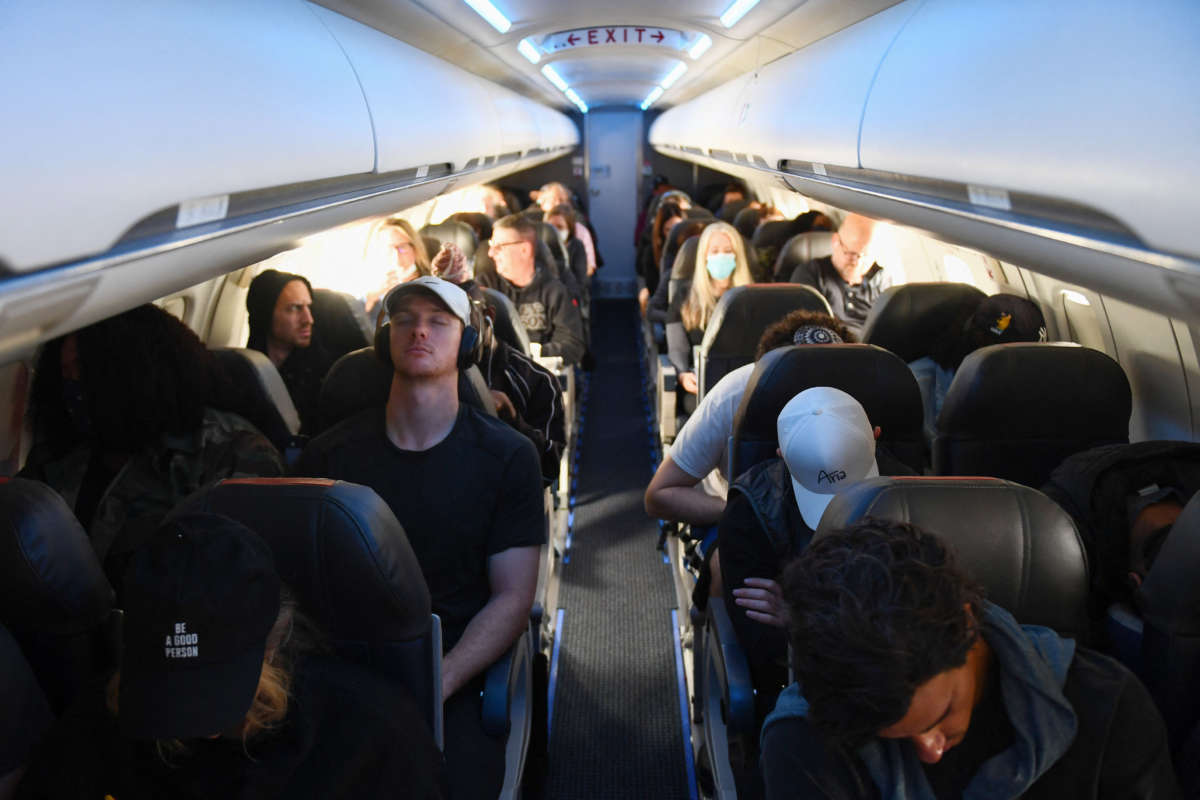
(153, 481)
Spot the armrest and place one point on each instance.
(502, 685)
(729, 670)
(666, 384)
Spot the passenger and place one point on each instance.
(998, 319)
(847, 282)
(660, 301)
(543, 303)
(562, 218)
(555, 194)
(527, 395)
(126, 425)
(467, 489)
(826, 445)
(494, 204)
(398, 252)
(720, 265)
(224, 692)
(669, 215)
(915, 686)
(281, 327)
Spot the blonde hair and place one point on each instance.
(420, 254)
(701, 299)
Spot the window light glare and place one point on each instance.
(736, 11)
(700, 46)
(1075, 297)
(650, 98)
(957, 269)
(673, 76)
(555, 78)
(526, 48)
(577, 100)
(485, 9)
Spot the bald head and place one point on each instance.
(849, 244)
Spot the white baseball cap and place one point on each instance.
(454, 298)
(828, 445)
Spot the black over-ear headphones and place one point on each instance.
(467, 346)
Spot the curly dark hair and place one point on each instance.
(780, 332)
(144, 373)
(876, 611)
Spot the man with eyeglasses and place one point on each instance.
(848, 280)
(543, 303)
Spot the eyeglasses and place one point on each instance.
(494, 245)
(850, 254)
(403, 247)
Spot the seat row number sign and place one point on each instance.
(616, 35)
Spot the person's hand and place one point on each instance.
(643, 299)
(763, 600)
(504, 406)
(688, 381)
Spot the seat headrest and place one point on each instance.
(877, 379)
(335, 324)
(773, 234)
(337, 545)
(698, 212)
(729, 211)
(801, 249)
(1014, 540)
(263, 399)
(685, 260)
(450, 230)
(747, 221)
(508, 326)
(432, 244)
(52, 580)
(1171, 593)
(1017, 410)
(908, 319)
(358, 381)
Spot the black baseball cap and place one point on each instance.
(201, 597)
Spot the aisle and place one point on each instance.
(616, 730)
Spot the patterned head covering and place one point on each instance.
(815, 334)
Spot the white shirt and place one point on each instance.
(700, 448)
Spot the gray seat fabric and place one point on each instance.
(1015, 411)
(799, 251)
(507, 323)
(263, 398)
(337, 325)
(459, 233)
(908, 319)
(1014, 540)
(683, 268)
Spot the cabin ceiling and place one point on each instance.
(606, 74)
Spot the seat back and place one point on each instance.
(27, 710)
(507, 322)
(56, 601)
(1015, 411)
(738, 322)
(683, 268)
(432, 244)
(877, 379)
(549, 237)
(799, 251)
(359, 380)
(260, 394)
(342, 551)
(450, 230)
(1171, 625)
(910, 318)
(728, 212)
(1014, 540)
(336, 325)
(747, 221)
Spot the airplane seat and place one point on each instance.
(459, 233)
(767, 241)
(260, 396)
(1015, 541)
(699, 212)
(683, 268)
(359, 380)
(799, 251)
(1015, 411)
(1170, 642)
(507, 322)
(481, 225)
(746, 222)
(432, 244)
(738, 321)
(666, 376)
(908, 319)
(27, 713)
(336, 325)
(549, 237)
(729, 211)
(339, 547)
(57, 602)
(877, 379)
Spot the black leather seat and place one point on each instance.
(507, 323)
(432, 244)
(738, 322)
(27, 712)
(729, 211)
(877, 379)
(259, 394)
(1014, 540)
(799, 251)
(908, 319)
(336, 325)
(747, 221)
(683, 268)
(56, 601)
(481, 225)
(459, 233)
(1015, 411)
(342, 551)
(358, 381)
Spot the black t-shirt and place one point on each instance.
(472, 495)
(347, 734)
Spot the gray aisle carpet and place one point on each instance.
(616, 729)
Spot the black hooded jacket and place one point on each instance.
(550, 317)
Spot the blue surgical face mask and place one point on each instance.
(720, 265)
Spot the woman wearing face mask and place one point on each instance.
(720, 264)
(398, 252)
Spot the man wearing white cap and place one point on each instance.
(826, 445)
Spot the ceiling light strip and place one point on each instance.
(527, 49)
(650, 98)
(700, 46)
(485, 9)
(672, 76)
(735, 12)
(555, 78)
